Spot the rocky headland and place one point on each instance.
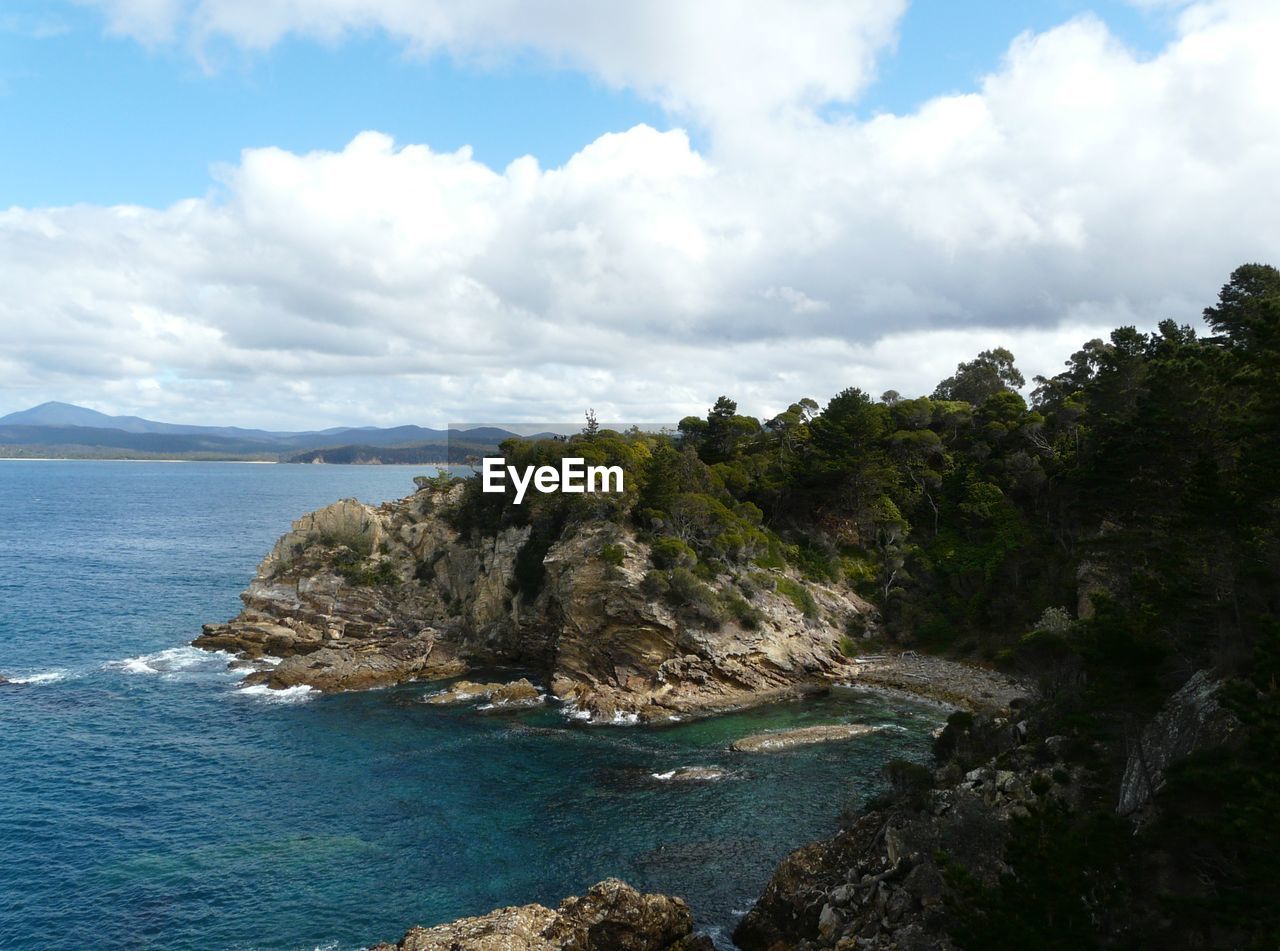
(355, 597)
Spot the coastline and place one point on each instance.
(234, 462)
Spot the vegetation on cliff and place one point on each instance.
(1112, 537)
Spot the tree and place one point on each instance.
(991, 372)
(1248, 305)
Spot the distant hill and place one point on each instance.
(63, 430)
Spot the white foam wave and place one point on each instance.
(620, 718)
(173, 660)
(47, 677)
(692, 774)
(298, 694)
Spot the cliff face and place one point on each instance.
(356, 597)
(1192, 720)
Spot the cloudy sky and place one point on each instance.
(288, 214)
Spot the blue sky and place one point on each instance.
(104, 119)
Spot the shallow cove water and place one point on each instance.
(147, 802)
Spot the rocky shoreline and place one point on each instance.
(355, 598)
(954, 684)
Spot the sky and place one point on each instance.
(348, 212)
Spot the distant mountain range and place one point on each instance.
(63, 430)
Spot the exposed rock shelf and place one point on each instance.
(800, 736)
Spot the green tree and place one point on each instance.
(989, 373)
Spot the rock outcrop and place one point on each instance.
(356, 597)
(518, 693)
(882, 882)
(611, 916)
(1192, 719)
(800, 736)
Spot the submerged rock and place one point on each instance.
(612, 916)
(801, 736)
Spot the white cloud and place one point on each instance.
(1079, 187)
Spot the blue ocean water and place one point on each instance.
(147, 802)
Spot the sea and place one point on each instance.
(149, 800)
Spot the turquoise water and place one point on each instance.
(146, 802)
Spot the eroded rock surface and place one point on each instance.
(611, 916)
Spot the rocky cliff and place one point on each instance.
(356, 597)
(885, 881)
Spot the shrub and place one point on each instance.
(815, 564)
(365, 574)
(909, 781)
(654, 585)
(746, 613)
(613, 555)
(693, 598)
(799, 596)
(360, 546)
(1054, 621)
(672, 553)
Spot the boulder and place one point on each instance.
(518, 693)
(611, 916)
